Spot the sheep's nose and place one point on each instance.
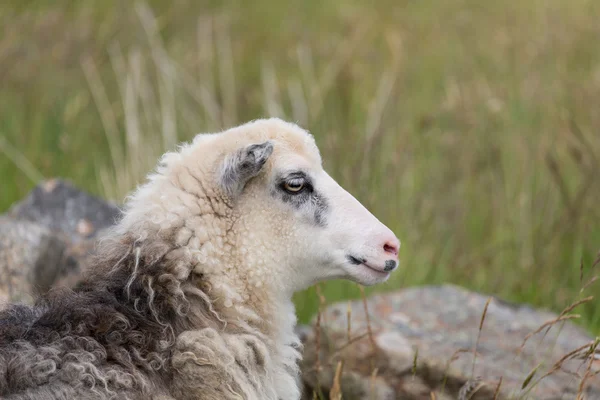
(391, 247)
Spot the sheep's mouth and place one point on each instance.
(363, 262)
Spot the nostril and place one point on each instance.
(390, 248)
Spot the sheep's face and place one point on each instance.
(296, 224)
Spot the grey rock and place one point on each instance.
(59, 206)
(423, 342)
(24, 248)
(46, 239)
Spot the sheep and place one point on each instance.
(190, 293)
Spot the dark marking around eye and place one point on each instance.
(296, 200)
(317, 203)
(321, 208)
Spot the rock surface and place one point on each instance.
(62, 208)
(423, 341)
(46, 238)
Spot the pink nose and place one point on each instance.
(391, 247)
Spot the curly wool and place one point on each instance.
(126, 333)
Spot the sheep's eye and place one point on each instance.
(294, 185)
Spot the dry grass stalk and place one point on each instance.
(348, 343)
(322, 301)
(592, 350)
(321, 86)
(371, 338)
(206, 57)
(589, 283)
(349, 318)
(336, 388)
(497, 391)
(336, 352)
(318, 341)
(485, 308)
(593, 278)
(453, 358)
(432, 396)
(318, 352)
(470, 388)
(226, 72)
(582, 383)
(369, 329)
(530, 376)
(588, 371)
(376, 112)
(545, 325)
(597, 261)
(570, 308)
(107, 116)
(414, 362)
(577, 303)
(271, 98)
(20, 161)
(372, 391)
(298, 101)
(570, 355)
(562, 318)
(554, 168)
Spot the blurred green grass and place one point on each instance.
(471, 128)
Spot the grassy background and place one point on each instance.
(470, 127)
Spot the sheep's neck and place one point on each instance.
(265, 309)
(242, 285)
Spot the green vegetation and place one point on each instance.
(470, 127)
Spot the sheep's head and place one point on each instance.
(294, 216)
(270, 211)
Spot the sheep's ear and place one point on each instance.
(243, 165)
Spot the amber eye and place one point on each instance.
(294, 185)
